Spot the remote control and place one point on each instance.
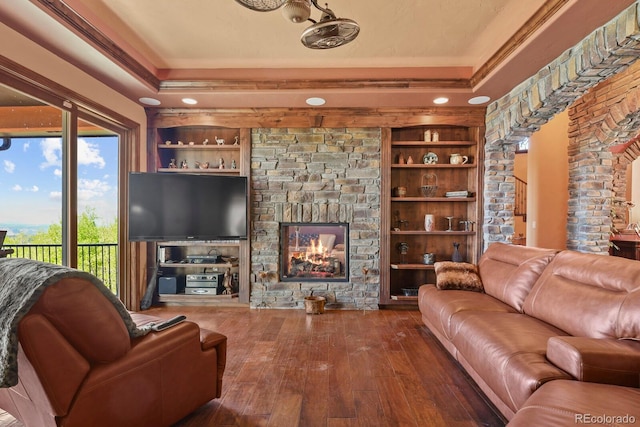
(168, 323)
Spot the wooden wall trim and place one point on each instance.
(542, 15)
(199, 85)
(313, 117)
(71, 19)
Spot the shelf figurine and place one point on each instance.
(206, 141)
(235, 142)
(221, 163)
(172, 164)
(203, 165)
(233, 164)
(220, 141)
(184, 165)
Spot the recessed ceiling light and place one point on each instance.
(189, 101)
(441, 100)
(315, 101)
(479, 100)
(149, 101)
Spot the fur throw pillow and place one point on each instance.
(458, 275)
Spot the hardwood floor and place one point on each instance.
(342, 368)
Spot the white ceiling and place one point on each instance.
(227, 56)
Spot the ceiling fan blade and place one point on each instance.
(262, 5)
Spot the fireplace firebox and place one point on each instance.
(314, 252)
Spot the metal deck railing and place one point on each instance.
(99, 259)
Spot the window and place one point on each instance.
(523, 146)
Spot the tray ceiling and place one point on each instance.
(227, 56)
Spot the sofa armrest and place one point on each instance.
(606, 361)
(210, 339)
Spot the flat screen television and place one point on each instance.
(175, 206)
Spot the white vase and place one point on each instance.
(429, 222)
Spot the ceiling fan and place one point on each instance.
(327, 33)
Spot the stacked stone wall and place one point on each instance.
(316, 175)
(599, 117)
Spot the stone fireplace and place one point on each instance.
(311, 177)
(314, 252)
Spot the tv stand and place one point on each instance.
(178, 259)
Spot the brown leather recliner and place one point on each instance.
(78, 366)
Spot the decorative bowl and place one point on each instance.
(429, 190)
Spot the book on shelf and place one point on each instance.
(463, 193)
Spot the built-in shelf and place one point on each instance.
(182, 299)
(413, 299)
(197, 265)
(195, 170)
(433, 199)
(432, 166)
(433, 144)
(234, 154)
(198, 147)
(412, 267)
(438, 233)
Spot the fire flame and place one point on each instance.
(319, 249)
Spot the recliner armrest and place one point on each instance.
(598, 360)
(210, 339)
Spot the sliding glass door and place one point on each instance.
(59, 186)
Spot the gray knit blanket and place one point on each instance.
(22, 281)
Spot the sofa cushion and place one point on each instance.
(438, 307)
(571, 403)
(457, 275)
(589, 295)
(509, 272)
(507, 350)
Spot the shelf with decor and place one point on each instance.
(198, 149)
(201, 149)
(436, 178)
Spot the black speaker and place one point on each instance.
(170, 285)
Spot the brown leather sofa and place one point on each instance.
(552, 340)
(78, 366)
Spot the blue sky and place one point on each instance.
(31, 179)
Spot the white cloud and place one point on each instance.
(52, 152)
(92, 189)
(55, 195)
(25, 146)
(57, 172)
(16, 187)
(9, 166)
(34, 189)
(89, 154)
